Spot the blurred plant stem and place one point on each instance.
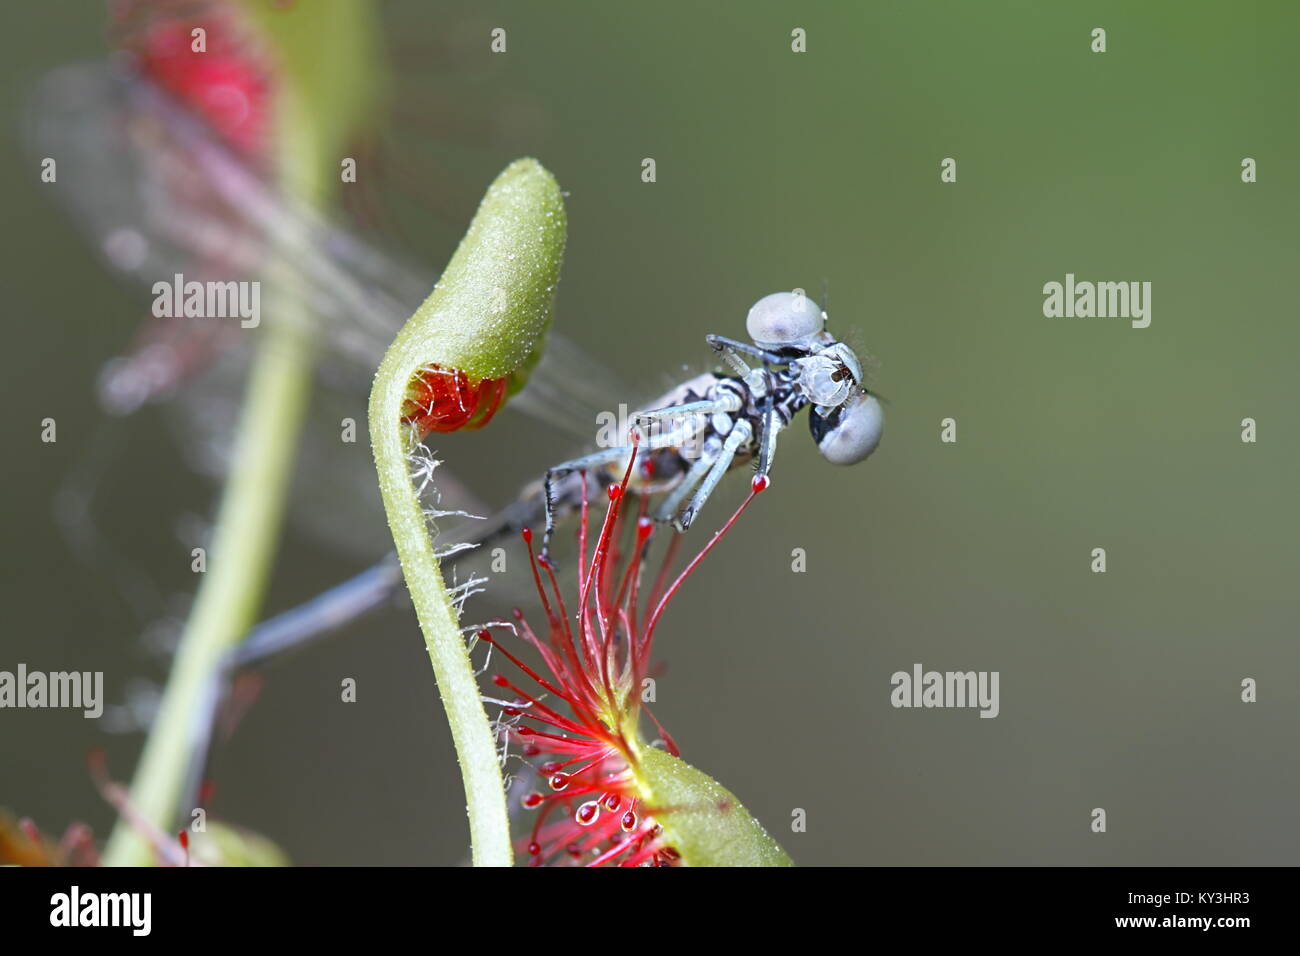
(328, 75)
(239, 558)
(230, 594)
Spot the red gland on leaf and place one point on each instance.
(447, 400)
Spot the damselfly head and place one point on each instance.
(846, 419)
(831, 376)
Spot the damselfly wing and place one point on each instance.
(158, 194)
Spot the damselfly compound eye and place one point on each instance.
(783, 319)
(851, 432)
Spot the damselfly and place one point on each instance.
(158, 193)
(116, 128)
(715, 422)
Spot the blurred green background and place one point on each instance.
(775, 170)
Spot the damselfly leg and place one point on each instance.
(599, 459)
(731, 350)
(740, 434)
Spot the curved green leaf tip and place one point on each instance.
(702, 819)
(489, 312)
(486, 317)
